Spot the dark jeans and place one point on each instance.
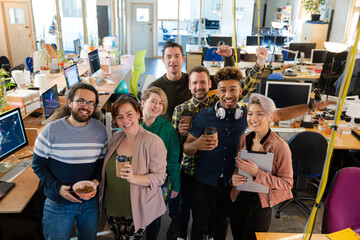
(247, 216)
(185, 204)
(205, 197)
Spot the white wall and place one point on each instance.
(244, 24)
(341, 14)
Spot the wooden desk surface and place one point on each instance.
(25, 187)
(287, 236)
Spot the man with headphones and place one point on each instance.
(216, 162)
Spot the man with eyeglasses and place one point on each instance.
(69, 150)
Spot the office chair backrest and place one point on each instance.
(211, 55)
(308, 150)
(5, 63)
(276, 76)
(342, 208)
(29, 64)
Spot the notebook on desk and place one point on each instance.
(5, 187)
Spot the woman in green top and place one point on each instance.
(154, 103)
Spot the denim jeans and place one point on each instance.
(59, 218)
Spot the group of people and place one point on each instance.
(169, 158)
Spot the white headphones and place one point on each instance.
(221, 113)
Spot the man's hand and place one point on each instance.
(206, 142)
(261, 54)
(184, 128)
(224, 50)
(238, 180)
(323, 104)
(64, 192)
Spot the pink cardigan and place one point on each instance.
(149, 158)
(280, 181)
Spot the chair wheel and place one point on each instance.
(277, 215)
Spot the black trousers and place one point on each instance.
(247, 216)
(205, 198)
(185, 203)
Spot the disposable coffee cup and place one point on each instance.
(120, 162)
(211, 131)
(187, 116)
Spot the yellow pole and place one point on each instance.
(58, 45)
(234, 33)
(343, 91)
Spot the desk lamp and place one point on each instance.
(353, 111)
(334, 48)
(277, 26)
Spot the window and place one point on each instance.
(17, 15)
(142, 14)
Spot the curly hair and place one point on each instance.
(172, 44)
(228, 73)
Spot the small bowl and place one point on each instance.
(82, 184)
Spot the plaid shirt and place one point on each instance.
(248, 85)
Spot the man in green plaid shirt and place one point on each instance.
(199, 85)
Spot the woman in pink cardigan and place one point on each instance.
(134, 199)
(251, 212)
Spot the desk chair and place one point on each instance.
(211, 55)
(308, 150)
(342, 209)
(29, 63)
(5, 63)
(276, 76)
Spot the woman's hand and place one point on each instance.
(247, 166)
(127, 173)
(238, 180)
(174, 194)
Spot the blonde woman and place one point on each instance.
(154, 104)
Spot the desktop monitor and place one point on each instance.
(214, 40)
(301, 47)
(270, 40)
(253, 40)
(50, 101)
(94, 62)
(285, 94)
(77, 47)
(12, 133)
(71, 74)
(318, 56)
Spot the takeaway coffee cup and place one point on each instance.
(187, 116)
(211, 131)
(120, 162)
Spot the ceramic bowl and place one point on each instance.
(82, 185)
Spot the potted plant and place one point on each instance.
(312, 7)
(4, 84)
(92, 43)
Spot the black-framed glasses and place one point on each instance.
(82, 102)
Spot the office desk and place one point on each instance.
(287, 236)
(25, 186)
(243, 65)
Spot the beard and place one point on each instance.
(78, 116)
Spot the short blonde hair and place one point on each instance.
(267, 105)
(146, 95)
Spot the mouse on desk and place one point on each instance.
(36, 114)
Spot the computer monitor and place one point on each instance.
(301, 47)
(318, 56)
(50, 101)
(269, 41)
(12, 133)
(214, 40)
(253, 40)
(71, 74)
(77, 46)
(285, 94)
(94, 62)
